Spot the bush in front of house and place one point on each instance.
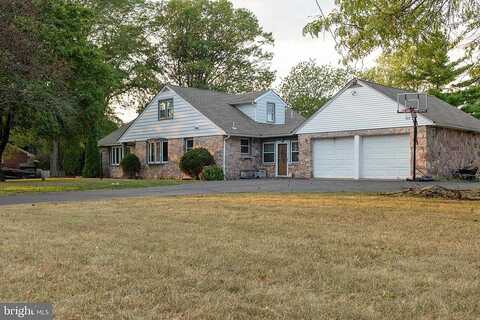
(193, 161)
(131, 165)
(212, 173)
(72, 158)
(92, 167)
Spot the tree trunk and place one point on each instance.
(54, 167)
(5, 127)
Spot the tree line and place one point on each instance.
(66, 64)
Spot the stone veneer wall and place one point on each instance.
(214, 144)
(108, 170)
(303, 168)
(295, 170)
(171, 169)
(451, 149)
(440, 151)
(237, 162)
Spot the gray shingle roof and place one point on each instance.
(246, 97)
(441, 113)
(112, 138)
(219, 108)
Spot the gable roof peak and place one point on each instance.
(440, 112)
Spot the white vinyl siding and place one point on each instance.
(248, 109)
(280, 107)
(333, 158)
(358, 109)
(385, 157)
(187, 122)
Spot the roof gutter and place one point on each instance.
(225, 157)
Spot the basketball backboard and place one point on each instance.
(412, 102)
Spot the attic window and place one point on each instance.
(270, 112)
(165, 109)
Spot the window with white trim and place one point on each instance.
(269, 152)
(187, 144)
(157, 151)
(270, 112)
(294, 151)
(245, 146)
(116, 155)
(165, 109)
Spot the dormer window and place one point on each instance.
(165, 109)
(270, 112)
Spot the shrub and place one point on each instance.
(73, 154)
(212, 173)
(130, 165)
(193, 161)
(92, 167)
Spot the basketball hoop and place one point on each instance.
(412, 104)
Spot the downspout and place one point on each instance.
(225, 157)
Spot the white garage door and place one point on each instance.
(333, 158)
(385, 157)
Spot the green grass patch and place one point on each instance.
(12, 187)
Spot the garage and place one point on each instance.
(385, 157)
(379, 157)
(361, 134)
(333, 158)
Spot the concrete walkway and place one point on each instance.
(237, 186)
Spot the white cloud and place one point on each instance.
(286, 19)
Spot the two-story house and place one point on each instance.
(358, 134)
(246, 133)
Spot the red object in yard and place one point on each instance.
(15, 157)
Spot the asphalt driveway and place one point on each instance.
(237, 186)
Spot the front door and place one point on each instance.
(282, 159)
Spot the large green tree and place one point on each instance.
(466, 99)
(66, 27)
(414, 38)
(123, 30)
(210, 44)
(104, 50)
(31, 77)
(308, 85)
(360, 27)
(422, 67)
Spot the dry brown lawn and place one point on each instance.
(245, 257)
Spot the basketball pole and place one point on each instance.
(412, 106)
(415, 125)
